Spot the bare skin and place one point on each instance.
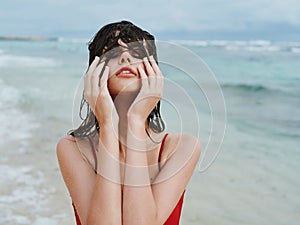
(129, 188)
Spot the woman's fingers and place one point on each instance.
(87, 78)
(144, 77)
(151, 73)
(155, 76)
(158, 73)
(93, 66)
(155, 66)
(95, 78)
(104, 78)
(96, 92)
(93, 84)
(148, 67)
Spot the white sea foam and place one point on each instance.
(260, 42)
(9, 96)
(15, 124)
(73, 40)
(239, 45)
(45, 221)
(192, 42)
(295, 49)
(251, 46)
(22, 194)
(26, 61)
(262, 48)
(218, 43)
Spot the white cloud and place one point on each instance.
(155, 15)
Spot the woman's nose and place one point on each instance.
(125, 58)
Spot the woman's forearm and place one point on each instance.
(106, 202)
(138, 202)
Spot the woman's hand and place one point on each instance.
(97, 95)
(150, 93)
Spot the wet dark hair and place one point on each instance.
(105, 42)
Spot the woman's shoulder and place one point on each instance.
(175, 139)
(65, 141)
(69, 144)
(183, 137)
(65, 145)
(69, 147)
(69, 140)
(68, 137)
(176, 142)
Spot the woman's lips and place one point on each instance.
(126, 72)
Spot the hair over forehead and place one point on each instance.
(107, 38)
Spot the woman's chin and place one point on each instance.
(131, 89)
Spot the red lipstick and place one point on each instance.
(126, 72)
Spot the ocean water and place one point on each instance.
(253, 180)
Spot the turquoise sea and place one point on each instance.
(253, 180)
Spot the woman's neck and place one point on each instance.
(122, 103)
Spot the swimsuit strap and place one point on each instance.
(94, 153)
(162, 147)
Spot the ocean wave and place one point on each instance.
(15, 124)
(72, 40)
(284, 90)
(250, 46)
(247, 87)
(295, 49)
(24, 195)
(26, 61)
(9, 96)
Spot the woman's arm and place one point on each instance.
(97, 197)
(144, 203)
(138, 202)
(105, 207)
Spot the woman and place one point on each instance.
(118, 165)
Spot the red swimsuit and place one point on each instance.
(175, 215)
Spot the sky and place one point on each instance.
(172, 19)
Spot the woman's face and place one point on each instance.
(123, 73)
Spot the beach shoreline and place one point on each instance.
(253, 179)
